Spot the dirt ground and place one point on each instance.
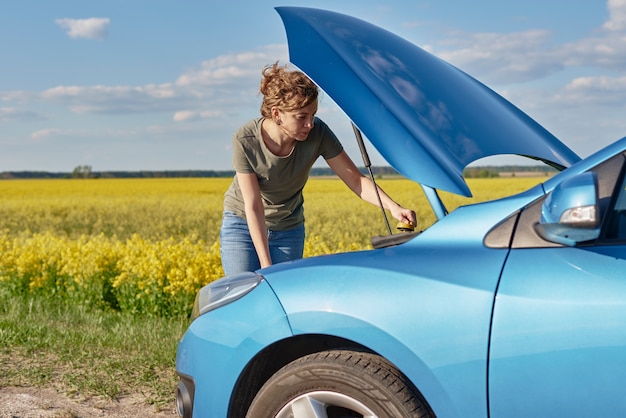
(24, 402)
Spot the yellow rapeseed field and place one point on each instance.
(147, 245)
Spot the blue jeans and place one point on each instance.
(237, 250)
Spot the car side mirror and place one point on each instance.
(570, 213)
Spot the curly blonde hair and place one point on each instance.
(286, 89)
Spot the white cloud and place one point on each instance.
(506, 58)
(8, 114)
(92, 28)
(610, 91)
(119, 99)
(230, 69)
(45, 133)
(617, 15)
(218, 87)
(606, 51)
(189, 115)
(503, 57)
(185, 115)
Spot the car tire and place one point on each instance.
(339, 383)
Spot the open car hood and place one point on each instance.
(427, 118)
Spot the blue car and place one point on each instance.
(509, 308)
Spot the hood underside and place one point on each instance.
(427, 118)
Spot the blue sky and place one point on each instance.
(161, 85)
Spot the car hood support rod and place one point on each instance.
(368, 165)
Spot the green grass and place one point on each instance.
(45, 342)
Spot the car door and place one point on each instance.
(558, 342)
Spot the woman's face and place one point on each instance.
(298, 123)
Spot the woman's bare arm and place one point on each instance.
(255, 215)
(347, 171)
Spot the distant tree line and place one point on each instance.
(82, 173)
(508, 170)
(166, 174)
(85, 171)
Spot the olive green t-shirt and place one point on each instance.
(281, 179)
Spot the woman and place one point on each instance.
(263, 221)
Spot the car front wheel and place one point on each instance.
(339, 384)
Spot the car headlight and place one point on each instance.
(224, 291)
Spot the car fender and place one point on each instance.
(348, 296)
(245, 326)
